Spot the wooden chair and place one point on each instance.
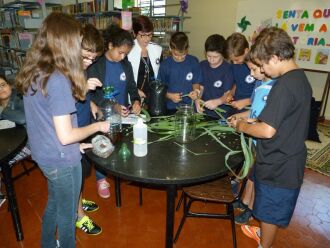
(218, 191)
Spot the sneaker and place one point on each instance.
(88, 226)
(240, 205)
(103, 188)
(89, 206)
(243, 217)
(2, 199)
(252, 232)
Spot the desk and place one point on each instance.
(170, 165)
(11, 141)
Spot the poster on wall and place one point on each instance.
(307, 22)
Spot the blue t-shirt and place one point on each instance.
(116, 77)
(243, 80)
(259, 97)
(216, 81)
(179, 77)
(84, 111)
(40, 109)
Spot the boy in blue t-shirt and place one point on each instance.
(181, 74)
(259, 97)
(236, 48)
(217, 75)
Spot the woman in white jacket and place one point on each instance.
(145, 56)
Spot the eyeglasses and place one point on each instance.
(145, 35)
(3, 85)
(89, 59)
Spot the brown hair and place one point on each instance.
(143, 24)
(272, 41)
(236, 44)
(179, 41)
(92, 40)
(57, 46)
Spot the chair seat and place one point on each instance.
(216, 191)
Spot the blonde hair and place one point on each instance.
(57, 46)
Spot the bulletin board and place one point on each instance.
(307, 22)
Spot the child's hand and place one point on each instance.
(83, 146)
(232, 121)
(92, 83)
(212, 104)
(175, 97)
(142, 94)
(136, 108)
(199, 107)
(103, 126)
(194, 94)
(94, 109)
(237, 104)
(229, 98)
(124, 111)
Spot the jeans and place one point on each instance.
(99, 174)
(61, 210)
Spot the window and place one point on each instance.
(151, 7)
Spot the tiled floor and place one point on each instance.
(135, 226)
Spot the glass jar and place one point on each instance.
(111, 111)
(185, 124)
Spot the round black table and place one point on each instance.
(11, 141)
(171, 164)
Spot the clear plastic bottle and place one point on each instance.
(140, 136)
(111, 111)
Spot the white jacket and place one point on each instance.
(154, 53)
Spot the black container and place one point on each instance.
(157, 100)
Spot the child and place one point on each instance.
(181, 73)
(52, 80)
(92, 46)
(259, 97)
(281, 130)
(236, 48)
(217, 75)
(114, 69)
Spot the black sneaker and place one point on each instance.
(244, 217)
(240, 205)
(88, 226)
(89, 206)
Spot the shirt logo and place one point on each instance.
(123, 76)
(189, 76)
(249, 79)
(157, 61)
(264, 98)
(217, 84)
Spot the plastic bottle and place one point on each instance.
(140, 136)
(111, 112)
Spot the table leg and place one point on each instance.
(118, 193)
(171, 192)
(6, 170)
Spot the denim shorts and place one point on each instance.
(274, 205)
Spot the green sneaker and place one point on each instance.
(88, 226)
(89, 206)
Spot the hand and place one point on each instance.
(237, 105)
(136, 108)
(199, 107)
(212, 104)
(175, 97)
(232, 121)
(103, 126)
(124, 111)
(229, 98)
(83, 146)
(194, 94)
(94, 109)
(92, 83)
(142, 94)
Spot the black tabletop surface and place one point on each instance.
(168, 162)
(11, 141)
